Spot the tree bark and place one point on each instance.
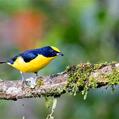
(81, 76)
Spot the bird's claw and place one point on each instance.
(31, 82)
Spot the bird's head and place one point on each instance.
(51, 51)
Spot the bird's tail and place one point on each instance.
(2, 62)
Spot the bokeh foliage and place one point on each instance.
(85, 31)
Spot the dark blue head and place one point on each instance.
(50, 51)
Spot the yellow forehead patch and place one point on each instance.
(56, 49)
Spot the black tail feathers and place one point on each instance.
(2, 62)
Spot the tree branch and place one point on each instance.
(74, 79)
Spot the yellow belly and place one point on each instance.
(34, 65)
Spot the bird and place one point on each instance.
(31, 61)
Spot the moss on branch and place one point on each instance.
(85, 76)
(76, 78)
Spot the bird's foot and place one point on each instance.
(31, 82)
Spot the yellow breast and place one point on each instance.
(34, 65)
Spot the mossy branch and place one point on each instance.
(76, 78)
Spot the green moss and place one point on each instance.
(54, 92)
(39, 82)
(100, 65)
(92, 82)
(80, 79)
(51, 103)
(113, 78)
(79, 76)
(48, 101)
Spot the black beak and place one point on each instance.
(60, 54)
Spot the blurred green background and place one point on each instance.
(85, 31)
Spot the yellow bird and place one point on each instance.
(31, 61)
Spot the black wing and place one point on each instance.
(27, 56)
